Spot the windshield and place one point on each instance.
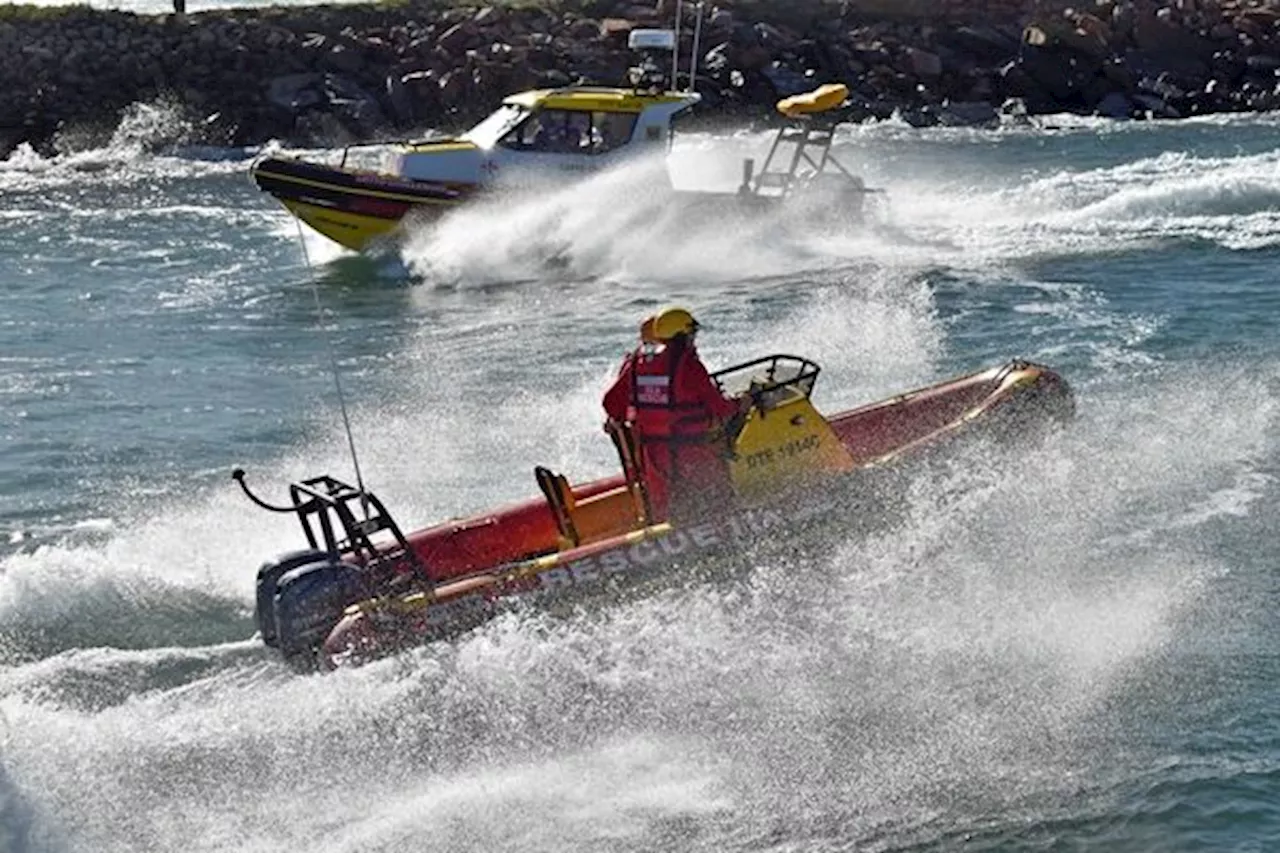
(487, 133)
(769, 374)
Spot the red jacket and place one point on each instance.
(666, 392)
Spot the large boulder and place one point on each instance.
(991, 45)
(968, 114)
(418, 96)
(10, 138)
(303, 96)
(787, 81)
(923, 63)
(1057, 73)
(1171, 45)
(295, 93)
(1115, 105)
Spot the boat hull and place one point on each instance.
(628, 564)
(1015, 401)
(356, 209)
(361, 210)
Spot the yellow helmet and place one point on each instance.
(670, 322)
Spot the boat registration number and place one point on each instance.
(781, 453)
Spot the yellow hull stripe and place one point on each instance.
(530, 568)
(420, 147)
(355, 231)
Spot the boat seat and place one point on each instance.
(624, 441)
(592, 519)
(560, 499)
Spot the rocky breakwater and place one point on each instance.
(1131, 58)
(332, 74)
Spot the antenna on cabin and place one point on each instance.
(693, 52)
(675, 48)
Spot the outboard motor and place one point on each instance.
(301, 595)
(269, 575)
(309, 602)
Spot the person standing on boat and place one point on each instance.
(678, 413)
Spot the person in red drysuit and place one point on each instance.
(678, 415)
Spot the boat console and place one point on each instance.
(782, 440)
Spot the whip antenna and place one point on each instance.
(675, 50)
(333, 367)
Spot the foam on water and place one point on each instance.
(149, 144)
(620, 225)
(613, 225)
(991, 212)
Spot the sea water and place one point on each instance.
(1072, 648)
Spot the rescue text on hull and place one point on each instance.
(551, 137)
(362, 588)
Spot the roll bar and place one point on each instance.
(324, 508)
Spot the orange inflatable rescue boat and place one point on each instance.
(363, 588)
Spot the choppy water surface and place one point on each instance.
(1070, 650)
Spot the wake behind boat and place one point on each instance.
(559, 136)
(363, 588)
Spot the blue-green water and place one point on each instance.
(1073, 650)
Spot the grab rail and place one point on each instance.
(780, 370)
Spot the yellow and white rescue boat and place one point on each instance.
(553, 135)
(539, 135)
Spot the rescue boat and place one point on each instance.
(558, 135)
(363, 588)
